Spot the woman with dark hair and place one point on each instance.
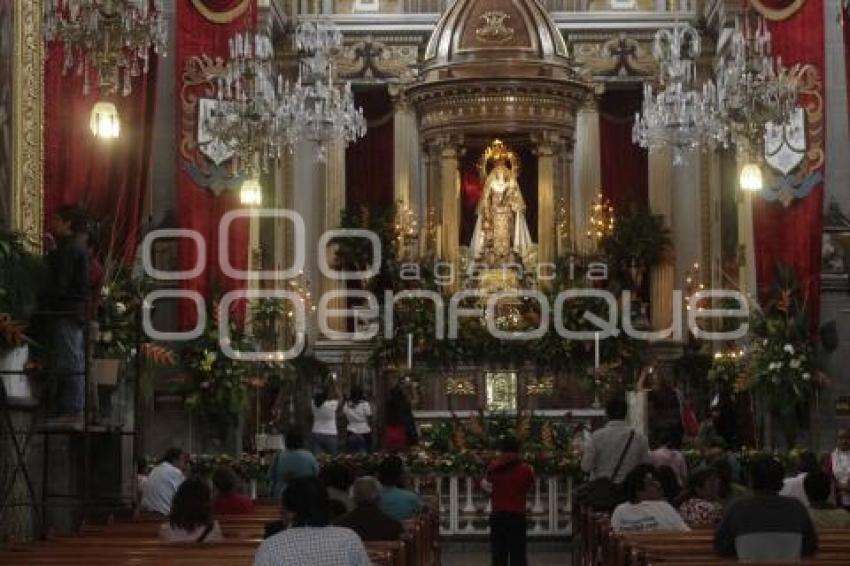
(358, 411)
(227, 500)
(310, 540)
(191, 517)
(645, 508)
(325, 405)
(701, 507)
(670, 486)
(400, 431)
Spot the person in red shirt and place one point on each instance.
(508, 480)
(227, 501)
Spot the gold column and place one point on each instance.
(404, 148)
(587, 169)
(545, 200)
(661, 202)
(746, 240)
(450, 199)
(27, 118)
(333, 181)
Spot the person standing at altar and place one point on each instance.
(68, 264)
(508, 480)
(358, 411)
(837, 466)
(325, 405)
(400, 430)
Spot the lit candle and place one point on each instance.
(596, 351)
(410, 351)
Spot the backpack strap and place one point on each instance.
(623, 456)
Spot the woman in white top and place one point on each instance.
(191, 517)
(325, 405)
(645, 509)
(358, 411)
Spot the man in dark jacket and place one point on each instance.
(508, 480)
(766, 526)
(367, 519)
(69, 291)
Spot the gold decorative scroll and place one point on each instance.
(224, 17)
(778, 14)
(460, 386)
(540, 386)
(28, 115)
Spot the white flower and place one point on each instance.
(794, 364)
(106, 336)
(789, 348)
(806, 376)
(121, 308)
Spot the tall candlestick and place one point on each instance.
(410, 351)
(596, 351)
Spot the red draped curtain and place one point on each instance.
(107, 178)
(624, 164)
(792, 235)
(369, 161)
(203, 28)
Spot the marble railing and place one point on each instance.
(464, 507)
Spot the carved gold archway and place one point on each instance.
(27, 117)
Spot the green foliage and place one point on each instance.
(639, 240)
(22, 278)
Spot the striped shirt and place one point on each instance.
(313, 546)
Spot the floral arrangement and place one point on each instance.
(117, 317)
(783, 369)
(22, 274)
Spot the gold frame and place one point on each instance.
(27, 121)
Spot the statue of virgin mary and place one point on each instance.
(501, 235)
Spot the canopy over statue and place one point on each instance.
(501, 235)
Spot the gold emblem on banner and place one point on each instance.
(778, 14)
(224, 17)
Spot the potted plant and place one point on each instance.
(21, 276)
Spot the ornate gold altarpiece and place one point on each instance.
(27, 117)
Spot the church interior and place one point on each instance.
(427, 233)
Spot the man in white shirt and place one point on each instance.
(645, 509)
(163, 481)
(606, 445)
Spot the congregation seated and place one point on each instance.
(160, 486)
(337, 480)
(701, 506)
(367, 519)
(645, 508)
(396, 501)
(807, 462)
(766, 525)
(227, 500)
(293, 462)
(191, 517)
(310, 540)
(818, 488)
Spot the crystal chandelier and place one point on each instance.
(315, 109)
(243, 119)
(753, 87)
(679, 116)
(106, 40)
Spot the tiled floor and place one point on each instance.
(475, 554)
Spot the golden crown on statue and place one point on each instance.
(498, 154)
